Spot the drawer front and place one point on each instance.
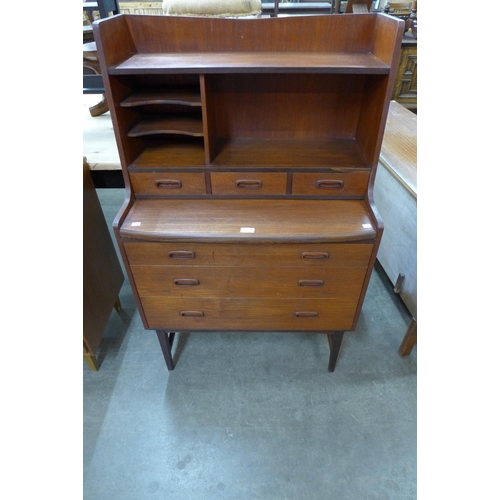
(251, 255)
(248, 282)
(248, 183)
(168, 183)
(249, 314)
(354, 184)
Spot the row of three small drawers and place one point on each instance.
(246, 183)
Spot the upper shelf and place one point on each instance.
(358, 43)
(251, 62)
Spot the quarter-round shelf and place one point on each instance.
(184, 97)
(182, 125)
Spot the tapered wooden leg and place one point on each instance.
(334, 340)
(409, 339)
(166, 340)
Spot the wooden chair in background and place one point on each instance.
(406, 11)
(398, 8)
(92, 79)
(358, 6)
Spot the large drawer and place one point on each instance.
(341, 184)
(168, 183)
(277, 282)
(248, 183)
(249, 314)
(249, 255)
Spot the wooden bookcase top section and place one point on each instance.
(348, 43)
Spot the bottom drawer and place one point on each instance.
(249, 314)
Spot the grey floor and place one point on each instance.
(252, 416)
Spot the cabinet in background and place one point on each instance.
(405, 89)
(102, 273)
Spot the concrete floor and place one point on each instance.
(252, 416)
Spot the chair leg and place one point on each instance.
(100, 108)
(92, 362)
(335, 341)
(166, 340)
(409, 339)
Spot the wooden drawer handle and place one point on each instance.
(315, 255)
(169, 184)
(181, 254)
(186, 282)
(329, 184)
(248, 184)
(306, 314)
(311, 282)
(196, 314)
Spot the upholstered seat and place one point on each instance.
(212, 8)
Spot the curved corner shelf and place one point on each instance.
(181, 125)
(184, 97)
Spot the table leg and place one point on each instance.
(409, 339)
(334, 340)
(166, 340)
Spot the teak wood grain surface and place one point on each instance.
(322, 255)
(249, 62)
(273, 282)
(249, 150)
(262, 314)
(217, 220)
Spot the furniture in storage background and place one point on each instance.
(257, 138)
(102, 272)
(395, 193)
(405, 88)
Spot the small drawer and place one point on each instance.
(168, 183)
(248, 183)
(341, 184)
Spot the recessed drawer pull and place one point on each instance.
(330, 184)
(196, 314)
(181, 254)
(169, 184)
(306, 314)
(186, 282)
(248, 184)
(311, 282)
(315, 255)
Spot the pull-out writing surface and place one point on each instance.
(248, 220)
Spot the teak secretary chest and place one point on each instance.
(249, 150)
